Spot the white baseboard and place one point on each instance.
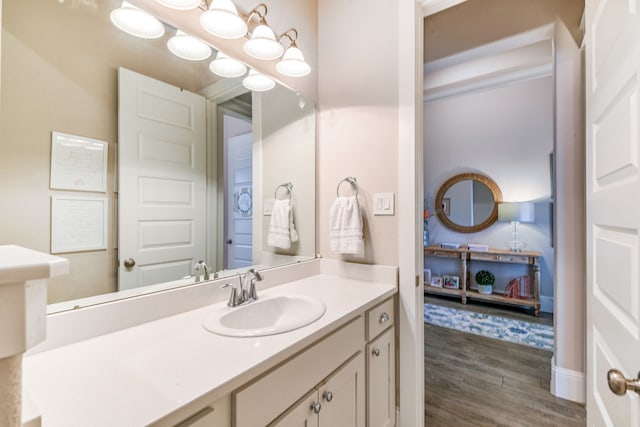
(567, 383)
(546, 304)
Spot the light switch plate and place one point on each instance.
(383, 204)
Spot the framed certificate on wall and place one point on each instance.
(78, 163)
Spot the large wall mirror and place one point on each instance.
(468, 202)
(60, 73)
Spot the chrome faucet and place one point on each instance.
(245, 291)
(205, 269)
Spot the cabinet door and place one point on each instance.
(342, 396)
(302, 414)
(381, 385)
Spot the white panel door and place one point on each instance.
(613, 207)
(161, 181)
(239, 221)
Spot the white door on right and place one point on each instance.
(613, 207)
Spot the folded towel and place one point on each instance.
(345, 228)
(282, 230)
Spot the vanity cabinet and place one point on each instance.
(346, 378)
(278, 392)
(381, 366)
(339, 401)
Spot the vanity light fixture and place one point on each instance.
(180, 4)
(263, 43)
(258, 82)
(186, 47)
(222, 20)
(136, 22)
(515, 213)
(292, 63)
(225, 66)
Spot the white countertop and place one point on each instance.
(135, 376)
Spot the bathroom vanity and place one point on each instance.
(172, 371)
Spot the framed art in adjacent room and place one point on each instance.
(451, 282)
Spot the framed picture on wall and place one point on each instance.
(451, 282)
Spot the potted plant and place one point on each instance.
(485, 280)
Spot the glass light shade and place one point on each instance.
(258, 82)
(222, 20)
(225, 66)
(186, 47)
(263, 44)
(293, 64)
(180, 4)
(136, 22)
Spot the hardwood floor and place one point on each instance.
(478, 381)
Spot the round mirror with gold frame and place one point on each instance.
(468, 202)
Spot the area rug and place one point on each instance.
(515, 331)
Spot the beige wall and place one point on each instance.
(477, 22)
(65, 81)
(358, 119)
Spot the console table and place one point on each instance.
(466, 257)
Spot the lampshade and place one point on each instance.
(186, 47)
(224, 66)
(516, 212)
(180, 4)
(136, 22)
(258, 82)
(263, 44)
(222, 20)
(293, 64)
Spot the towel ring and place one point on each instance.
(287, 185)
(351, 180)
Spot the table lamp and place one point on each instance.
(515, 213)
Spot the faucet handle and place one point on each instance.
(235, 297)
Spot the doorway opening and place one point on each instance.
(236, 144)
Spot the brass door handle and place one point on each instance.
(619, 385)
(129, 262)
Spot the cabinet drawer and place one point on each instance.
(488, 256)
(379, 318)
(260, 402)
(200, 414)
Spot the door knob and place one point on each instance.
(375, 352)
(328, 396)
(620, 385)
(129, 262)
(229, 242)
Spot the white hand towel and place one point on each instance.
(282, 231)
(345, 228)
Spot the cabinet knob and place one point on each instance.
(384, 317)
(315, 407)
(375, 352)
(327, 395)
(129, 262)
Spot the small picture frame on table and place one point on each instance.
(436, 281)
(451, 282)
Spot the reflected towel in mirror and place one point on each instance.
(345, 235)
(282, 231)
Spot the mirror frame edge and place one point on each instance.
(497, 197)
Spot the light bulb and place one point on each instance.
(258, 82)
(225, 66)
(263, 44)
(293, 64)
(186, 47)
(180, 4)
(136, 22)
(222, 20)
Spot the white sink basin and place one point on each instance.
(269, 315)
